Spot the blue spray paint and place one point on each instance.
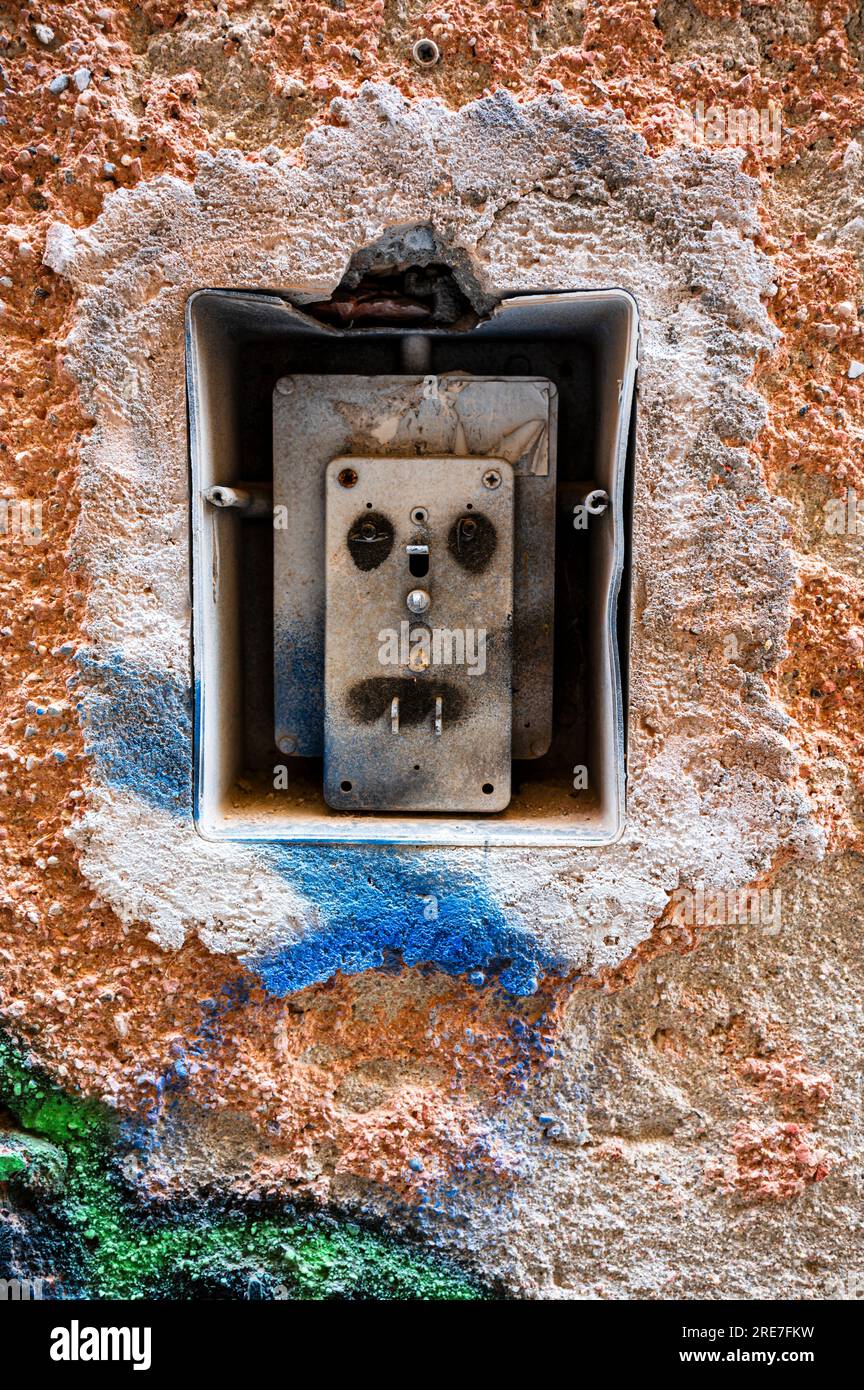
(375, 908)
(382, 906)
(138, 730)
(299, 687)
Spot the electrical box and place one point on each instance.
(455, 510)
(410, 566)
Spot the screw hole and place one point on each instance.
(419, 515)
(368, 504)
(416, 767)
(426, 53)
(346, 786)
(488, 788)
(469, 506)
(347, 477)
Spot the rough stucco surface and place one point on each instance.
(284, 1024)
(677, 230)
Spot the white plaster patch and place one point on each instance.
(540, 196)
(177, 881)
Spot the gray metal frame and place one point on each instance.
(217, 321)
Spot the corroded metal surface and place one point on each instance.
(316, 418)
(418, 669)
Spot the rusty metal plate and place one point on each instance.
(419, 629)
(316, 418)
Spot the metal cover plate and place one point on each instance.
(445, 745)
(316, 418)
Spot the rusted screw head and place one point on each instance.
(426, 52)
(492, 478)
(347, 477)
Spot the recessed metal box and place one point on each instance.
(564, 366)
(317, 417)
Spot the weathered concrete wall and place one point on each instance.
(657, 1065)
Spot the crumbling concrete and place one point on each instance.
(653, 1073)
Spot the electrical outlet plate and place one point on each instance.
(417, 708)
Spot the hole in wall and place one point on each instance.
(244, 344)
(421, 296)
(404, 280)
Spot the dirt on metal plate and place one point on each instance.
(418, 667)
(319, 417)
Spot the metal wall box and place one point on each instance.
(316, 418)
(578, 349)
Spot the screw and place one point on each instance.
(285, 386)
(418, 601)
(347, 477)
(286, 744)
(426, 53)
(492, 478)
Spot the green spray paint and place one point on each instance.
(10, 1165)
(123, 1250)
